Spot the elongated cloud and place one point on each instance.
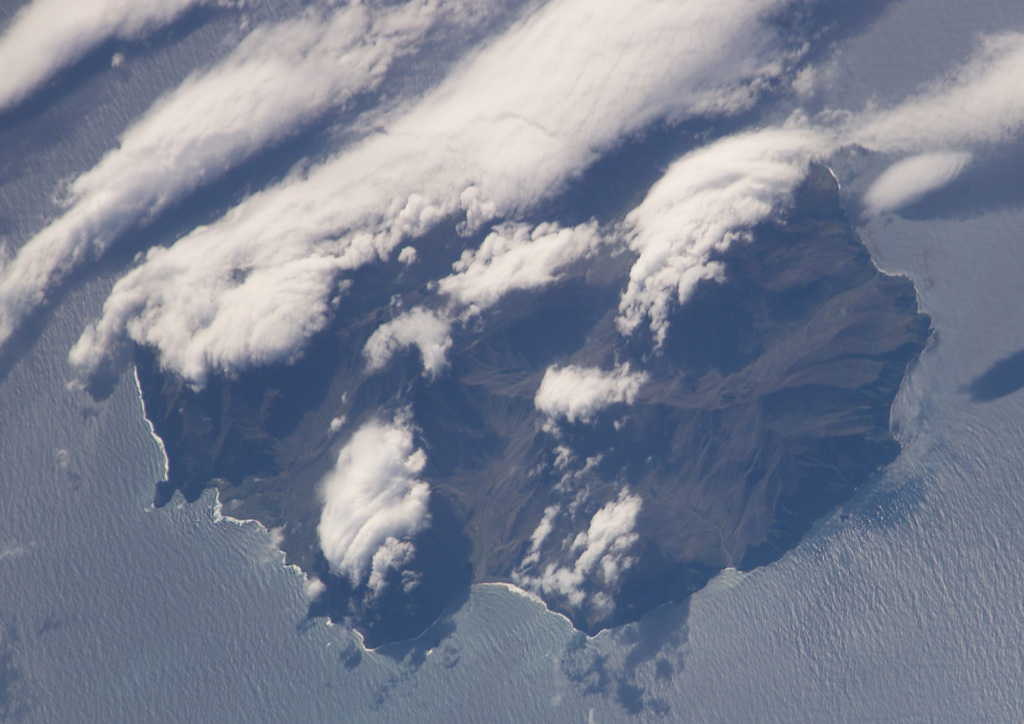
(908, 180)
(374, 504)
(979, 103)
(599, 555)
(418, 327)
(708, 200)
(579, 393)
(971, 111)
(540, 535)
(278, 79)
(517, 257)
(512, 125)
(49, 35)
(712, 197)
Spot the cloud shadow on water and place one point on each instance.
(988, 185)
(1003, 378)
(653, 654)
(15, 704)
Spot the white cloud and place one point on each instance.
(374, 503)
(601, 555)
(911, 179)
(12, 550)
(46, 36)
(706, 201)
(261, 316)
(312, 587)
(280, 77)
(393, 554)
(974, 109)
(539, 535)
(465, 148)
(407, 255)
(980, 103)
(563, 456)
(517, 256)
(529, 111)
(418, 327)
(713, 196)
(578, 393)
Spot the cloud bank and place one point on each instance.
(510, 126)
(579, 393)
(374, 504)
(279, 78)
(46, 36)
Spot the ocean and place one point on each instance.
(905, 605)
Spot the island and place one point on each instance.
(764, 409)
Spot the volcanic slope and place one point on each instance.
(766, 406)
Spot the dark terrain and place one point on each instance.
(766, 407)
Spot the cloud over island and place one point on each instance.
(508, 127)
(374, 504)
(477, 157)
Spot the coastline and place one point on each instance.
(209, 418)
(149, 423)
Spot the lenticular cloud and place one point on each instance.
(911, 179)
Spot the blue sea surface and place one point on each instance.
(905, 605)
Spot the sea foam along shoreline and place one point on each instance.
(149, 424)
(310, 585)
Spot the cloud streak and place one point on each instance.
(46, 36)
(511, 126)
(279, 78)
(970, 112)
(980, 103)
